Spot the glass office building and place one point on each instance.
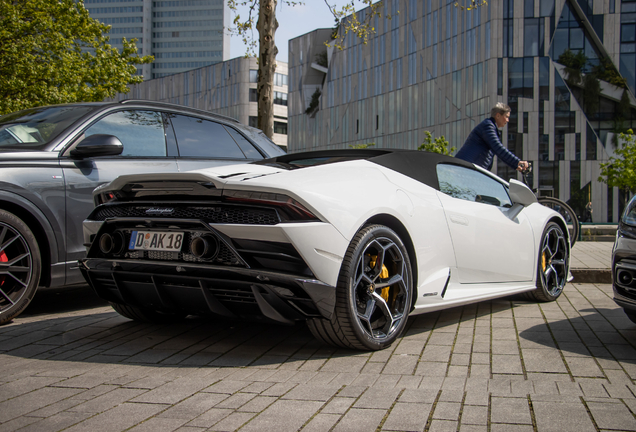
(180, 34)
(565, 67)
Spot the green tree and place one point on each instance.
(437, 145)
(264, 11)
(471, 4)
(52, 51)
(361, 146)
(620, 171)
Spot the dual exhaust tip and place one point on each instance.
(205, 246)
(112, 243)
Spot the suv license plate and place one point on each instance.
(156, 240)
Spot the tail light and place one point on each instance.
(104, 197)
(291, 208)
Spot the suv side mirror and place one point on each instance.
(98, 145)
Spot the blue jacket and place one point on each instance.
(483, 143)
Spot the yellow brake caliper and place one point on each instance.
(384, 274)
(543, 261)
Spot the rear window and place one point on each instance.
(204, 139)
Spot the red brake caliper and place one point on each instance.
(3, 258)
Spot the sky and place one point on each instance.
(293, 21)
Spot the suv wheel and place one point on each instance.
(20, 266)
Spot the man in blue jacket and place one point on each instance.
(484, 142)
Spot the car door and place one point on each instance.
(489, 245)
(204, 143)
(145, 150)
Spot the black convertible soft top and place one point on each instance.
(419, 165)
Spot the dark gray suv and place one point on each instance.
(51, 159)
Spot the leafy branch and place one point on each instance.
(472, 4)
(438, 145)
(620, 171)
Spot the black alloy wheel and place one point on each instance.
(20, 266)
(373, 294)
(552, 266)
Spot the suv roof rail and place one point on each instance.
(171, 105)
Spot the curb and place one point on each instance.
(592, 276)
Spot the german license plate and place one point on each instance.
(156, 240)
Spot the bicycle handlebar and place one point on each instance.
(528, 170)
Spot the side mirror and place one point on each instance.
(521, 194)
(98, 145)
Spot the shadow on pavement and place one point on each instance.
(600, 333)
(84, 334)
(63, 299)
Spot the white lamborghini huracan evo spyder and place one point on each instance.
(350, 241)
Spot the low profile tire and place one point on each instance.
(20, 266)
(631, 315)
(147, 315)
(552, 268)
(373, 295)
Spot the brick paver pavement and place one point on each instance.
(505, 365)
(591, 255)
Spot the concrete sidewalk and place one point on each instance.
(591, 262)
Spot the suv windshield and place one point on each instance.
(36, 127)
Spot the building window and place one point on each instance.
(508, 29)
(520, 77)
(533, 37)
(253, 121)
(280, 98)
(628, 48)
(544, 147)
(544, 78)
(590, 144)
(253, 76)
(499, 77)
(528, 9)
(280, 80)
(280, 128)
(253, 95)
(546, 8)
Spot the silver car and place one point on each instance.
(51, 159)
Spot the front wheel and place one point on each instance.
(373, 295)
(552, 266)
(20, 266)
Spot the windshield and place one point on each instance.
(629, 215)
(34, 128)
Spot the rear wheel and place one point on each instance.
(568, 214)
(552, 268)
(147, 315)
(20, 266)
(373, 295)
